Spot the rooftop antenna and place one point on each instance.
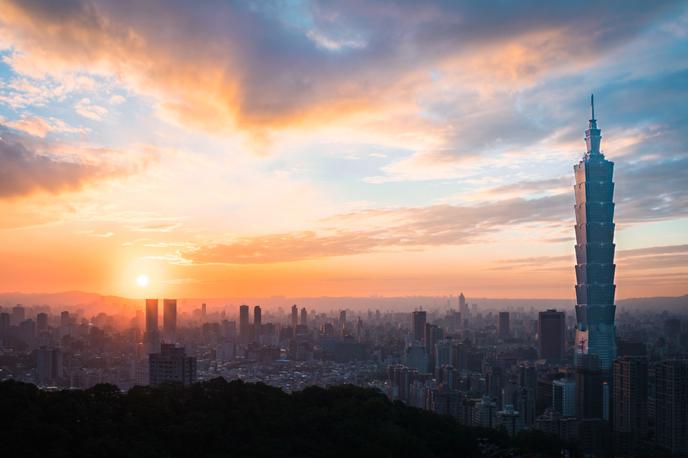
(592, 105)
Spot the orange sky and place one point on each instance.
(306, 149)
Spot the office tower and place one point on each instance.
(503, 325)
(294, 316)
(257, 316)
(204, 312)
(510, 419)
(64, 319)
(171, 365)
(527, 380)
(18, 314)
(169, 320)
(629, 402)
(671, 408)
(41, 322)
(151, 315)
(419, 318)
(257, 321)
(463, 309)
(564, 397)
(589, 391)
(342, 318)
(48, 365)
(416, 357)
(4, 324)
(304, 317)
(595, 309)
(152, 335)
(485, 413)
(243, 324)
(433, 334)
(551, 334)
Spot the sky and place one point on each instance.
(344, 148)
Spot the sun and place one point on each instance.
(142, 280)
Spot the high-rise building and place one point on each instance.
(304, 317)
(152, 335)
(48, 365)
(171, 365)
(463, 309)
(671, 405)
(257, 316)
(552, 334)
(18, 314)
(64, 319)
(564, 397)
(629, 403)
(419, 318)
(243, 324)
(503, 325)
(257, 321)
(41, 322)
(595, 309)
(294, 316)
(4, 324)
(151, 315)
(169, 320)
(589, 391)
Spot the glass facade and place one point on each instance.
(595, 288)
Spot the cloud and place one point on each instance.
(401, 228)
(255, 66)
(89, 110)
(24, 170)
(39, 127)
(655, 257)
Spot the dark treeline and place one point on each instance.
(236, 419)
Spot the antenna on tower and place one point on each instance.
(592, 105)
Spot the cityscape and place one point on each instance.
(483, 304)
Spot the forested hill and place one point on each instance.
(236, 419)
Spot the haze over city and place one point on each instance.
(250, 149)
(313, 228)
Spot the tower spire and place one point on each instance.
(592, 134)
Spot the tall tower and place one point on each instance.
(169, 320)
(594, 188)
(243, 324)
(152, 335)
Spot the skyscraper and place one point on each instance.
(171, 365)
(243, 324)
(503, 325)
(463, 308)
(304, 317)
(564, 397)
(595, 267)
(152, 336)
(589, 390)
(294, 316)
(257, 321)
(169, 320)
(551, 334)
(419, 318)
(629, 402)
(671, 410)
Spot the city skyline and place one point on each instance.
(315, 149)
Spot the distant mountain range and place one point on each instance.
(98, 302)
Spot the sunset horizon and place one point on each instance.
(310, 149)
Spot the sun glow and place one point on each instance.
(142, 280)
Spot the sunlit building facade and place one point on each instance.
(595, 309)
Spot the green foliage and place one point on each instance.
(221, 419)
